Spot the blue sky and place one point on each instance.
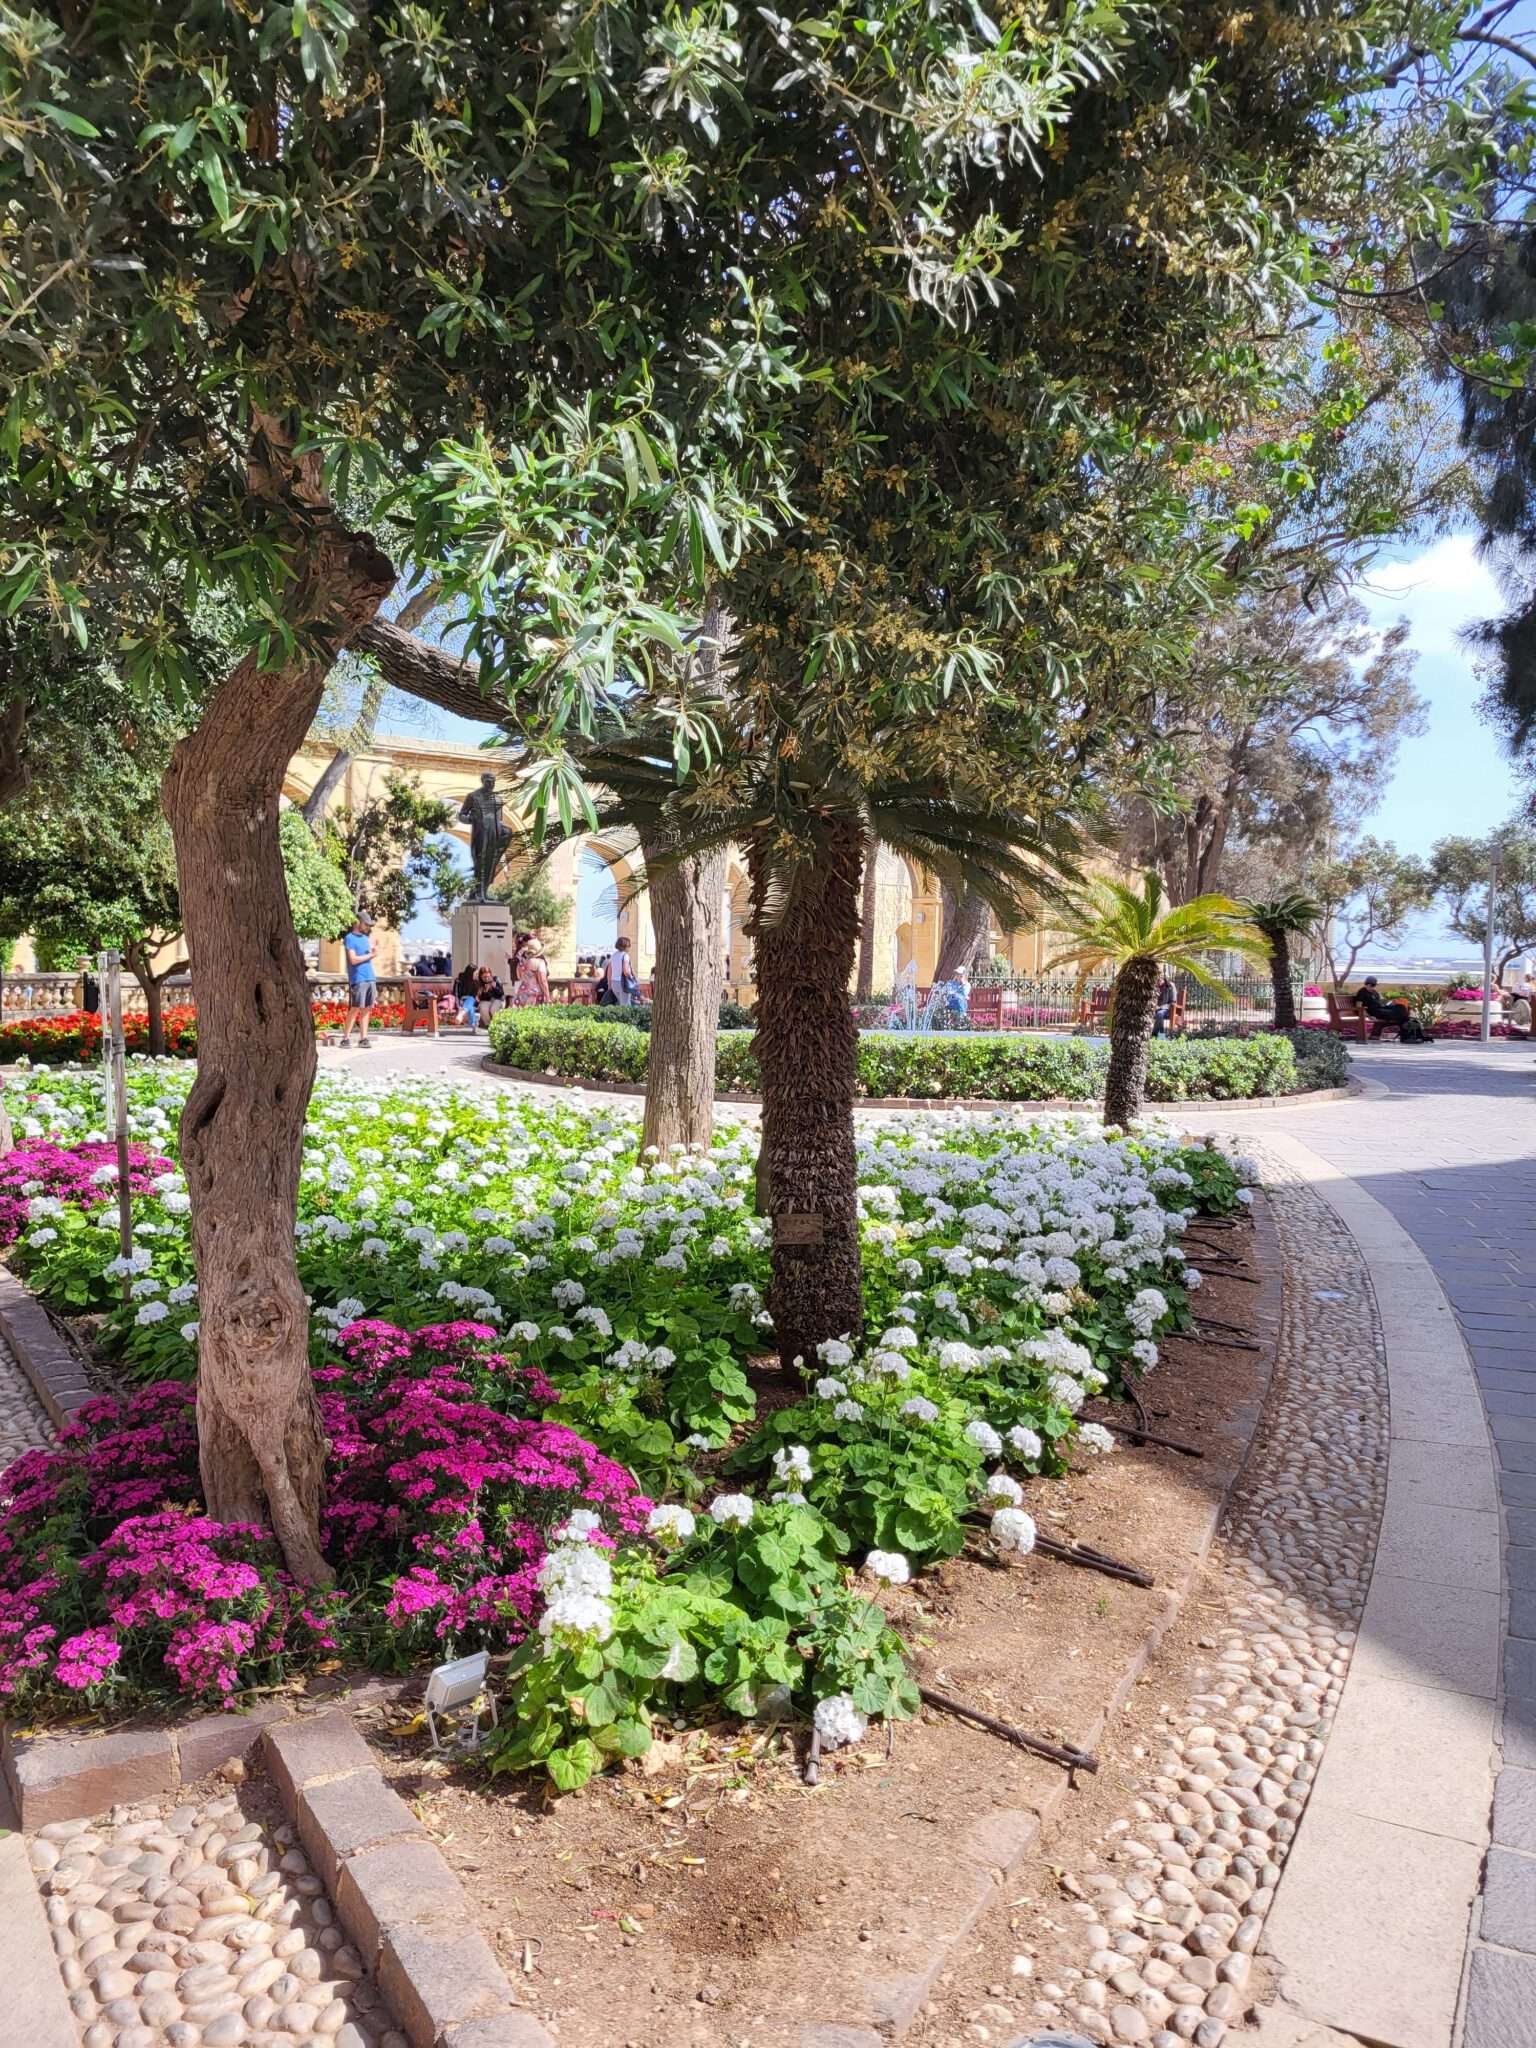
(1454, 778)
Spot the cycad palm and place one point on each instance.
(1131, 933)
(805, 819)
(1281, 919)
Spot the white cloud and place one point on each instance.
(1446, 587)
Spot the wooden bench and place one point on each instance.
(1337, 1022)
(421, 1000)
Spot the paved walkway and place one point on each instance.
(1447, 1145)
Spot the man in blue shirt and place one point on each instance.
(362, 982)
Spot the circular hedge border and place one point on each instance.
(926, 1069)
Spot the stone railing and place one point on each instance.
(57, 995)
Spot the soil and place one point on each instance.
(706, 1897)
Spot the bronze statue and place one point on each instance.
(489, 837)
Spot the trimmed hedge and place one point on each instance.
(733, 1016)
(969, 1066)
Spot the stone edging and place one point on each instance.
(402, 1907)
(48, 1359)
(61, 1777)
(1389, 1969)
(982, 1107)
(983, 1857)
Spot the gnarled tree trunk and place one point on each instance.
(1280, 974)
(139, 961)
(966, 923)
(1133, 1012)
(685, 1007)
(261, 1447)
(807, 1050)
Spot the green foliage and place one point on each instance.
(924, 1066)
(318, 895)
(1367, 894)
(536, 905)
(387, 854)
(1459, 870)
(1114, 924)
(760, 1622)
(1293, 914)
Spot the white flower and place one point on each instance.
(44, 1234)
(1025, 1443)
(189, 1332)
(957, 1357)
(984, 1437)
(889, 1567)
(1013, 1532)
(834, 1351)
(830, 1389)
(792, 1461)
(731, 1510)
(1245, 1196)
(920, 1410)
(1144, 1351)
(670, 1525)
(137, 1261)
(576, 1618)
(152, 1312)
(848, 1411)
(568, 1293)
(1093, 1436)
(578, 1526)
(1001, 1492)
(839, 1722)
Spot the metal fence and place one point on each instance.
(1049, 1002)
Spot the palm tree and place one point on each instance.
(1281, 919)
(806, 822)
(1133, 933)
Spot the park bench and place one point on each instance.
(1358, 1019)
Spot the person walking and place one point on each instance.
(362, 980)
(619, 977)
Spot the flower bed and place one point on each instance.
(75, 1037)
(958, 1066)
(491, 1478)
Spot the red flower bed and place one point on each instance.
(332, 1016)
(76, 1036)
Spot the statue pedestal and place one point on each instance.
(482, 937)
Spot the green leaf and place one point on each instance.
(211, 171)
(61, 117)
(571, 1766)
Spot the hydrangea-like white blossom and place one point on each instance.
(888, 1566)
(920, 1410)
(152, 1312)
(578, 1526)
(1000, 1491)
(671, 1525)
(984, 1437)
(576, 1618)
(1094, 1437)
(835, 1352)
(1025, 1443)
(792, 1461)
(732, 1510)
(839, 1722)
(958, 1357)
(848, 1411)
(1013, 1532)
(830, 1389)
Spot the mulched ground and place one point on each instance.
(707, 1897)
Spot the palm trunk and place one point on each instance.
(869, 904)
(965, 929)
(261, 1448)
(1280, 974)
(807, 1050)
(685, 1009)
(1132, 1015)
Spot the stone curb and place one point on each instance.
(37, 2013)
(991, 1848)
(59, 1777)
(400, 1904)
(987, 1107)
(1389, 1968)
(48, 1359)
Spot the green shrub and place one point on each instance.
(969, 1066)
(733, 1016)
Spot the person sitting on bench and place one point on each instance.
(1375, 1005)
